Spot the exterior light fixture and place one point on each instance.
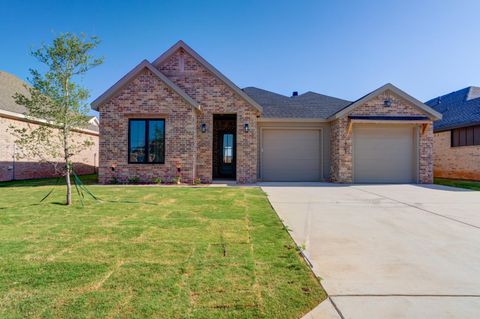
(113, 167)
(387, 103)
(203, 127)
(246, 127)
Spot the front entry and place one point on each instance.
(224, 146)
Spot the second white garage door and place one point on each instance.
(384, 154)
(291, 155)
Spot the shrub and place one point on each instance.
(157, 180)
(133, 180)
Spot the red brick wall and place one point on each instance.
(461, 162)
(215, 97)
(147, 96)
(28, 168)
(341, 141)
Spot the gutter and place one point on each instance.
(23, 118)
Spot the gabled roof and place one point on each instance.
(309, 105)
(431, 112)
(460, 108)
(209, 67)
(9, 85)
(130, 75)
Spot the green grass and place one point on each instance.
(458, 183)
(148, 252)
(86, 179)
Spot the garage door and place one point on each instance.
(291, 155)
(384, 154)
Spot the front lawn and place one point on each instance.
(458, 183)
(147, 252)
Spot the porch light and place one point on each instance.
(246, 127)
(203, 127)
(387, 103)
(113, 167)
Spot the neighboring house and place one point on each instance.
(11, 113)
(457, 135)
(180, 116)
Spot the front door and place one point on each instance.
(226, 155)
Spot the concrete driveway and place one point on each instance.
(388, 251)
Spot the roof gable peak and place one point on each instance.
(182, 45)
(388, 87)
(134, 72)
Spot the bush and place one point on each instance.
(133, 180)
(157, 180)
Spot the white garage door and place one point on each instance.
(291, 155)
(384, 154)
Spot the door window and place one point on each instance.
(227, 148)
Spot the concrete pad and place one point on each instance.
(457, 203)
(324, 310)
(386, 240)
(408, 307)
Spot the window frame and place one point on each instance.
(147, 127)
(457, 134)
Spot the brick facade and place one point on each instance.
(28, 168)
(186, 145)
(147, 97)
(461, 162)
(145, 93)
(341, 140)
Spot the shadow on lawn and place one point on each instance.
(86, 179)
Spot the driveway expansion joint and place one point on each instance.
(404, 295)
(419, 208)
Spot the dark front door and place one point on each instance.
(226, 155)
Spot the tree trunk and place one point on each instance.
(69, 186)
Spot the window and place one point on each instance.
(227, 148)
(465, 136)
(146, 141)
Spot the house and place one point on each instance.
(457, 135)
(179, 116)
(12, 114)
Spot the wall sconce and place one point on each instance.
(203, 127)
(113, 167)
(246, 127)
(387, 103)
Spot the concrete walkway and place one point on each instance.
(387, 251)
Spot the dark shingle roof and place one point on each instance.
(307, 105)
(9, 85)
(460, 108)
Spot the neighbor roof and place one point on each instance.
(130, 75)
(308, 105)
(11, 84)
(460, 108)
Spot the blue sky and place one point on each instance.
(340, 48)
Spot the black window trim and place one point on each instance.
(147, 126)
(456, 131)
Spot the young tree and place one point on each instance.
(56, 98)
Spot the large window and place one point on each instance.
(466, 136)
(146, 141)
